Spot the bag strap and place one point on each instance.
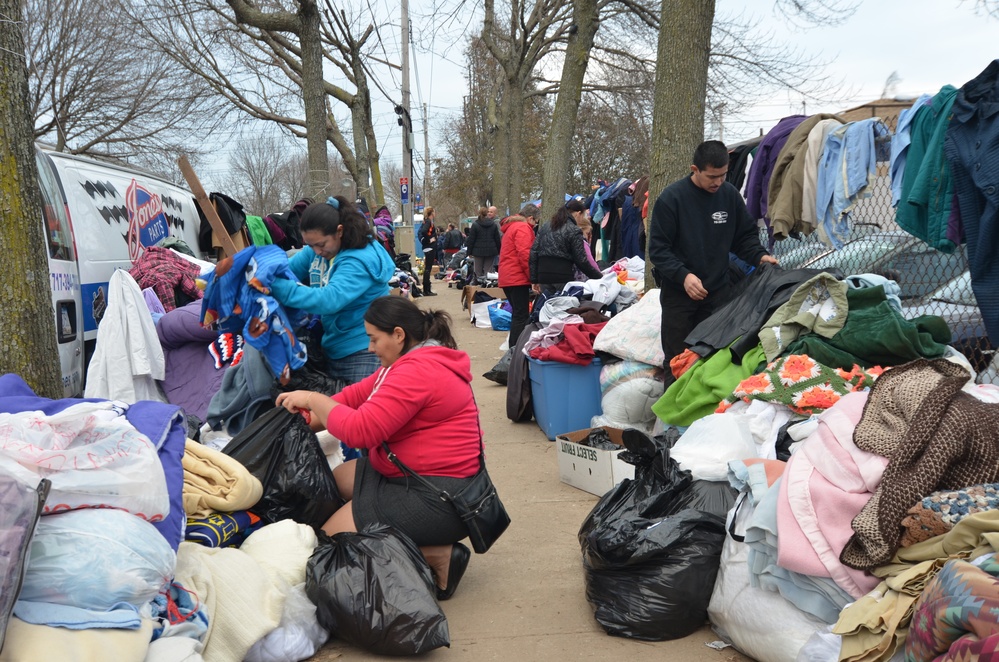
(442, 494)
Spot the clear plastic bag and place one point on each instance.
(94, 457)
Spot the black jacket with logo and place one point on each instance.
(693, 231)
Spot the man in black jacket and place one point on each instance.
(696, 222)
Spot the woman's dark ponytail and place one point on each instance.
(387, 313)
(438, 327)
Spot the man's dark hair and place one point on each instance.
(711, 154)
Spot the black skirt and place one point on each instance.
(407, 505)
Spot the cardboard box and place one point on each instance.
(469, 292)
(590, 469)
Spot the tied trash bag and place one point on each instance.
(499, 372)
(374, 589)
(651, 546)
(282, 452)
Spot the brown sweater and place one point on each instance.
(935, 436)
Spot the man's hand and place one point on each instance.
(768, 259)
(693, 287)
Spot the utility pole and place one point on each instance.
(405, 119)
(426, 159)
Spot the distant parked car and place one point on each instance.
(956, 303)
(918, 268)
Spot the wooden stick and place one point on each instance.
(228, 247)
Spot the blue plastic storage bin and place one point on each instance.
(565, 396)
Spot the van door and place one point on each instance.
(64, 278)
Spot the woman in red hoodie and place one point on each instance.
(514, 265)
(433, 431)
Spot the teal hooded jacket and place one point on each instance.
(339, 291)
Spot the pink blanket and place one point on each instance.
(827, 482)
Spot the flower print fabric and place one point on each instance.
(802, 383)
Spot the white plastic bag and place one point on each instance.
(298, 637)
(635, 332)
(480, 314)
(760, 624)
(94, 559)
(92, 455)
(710, 442)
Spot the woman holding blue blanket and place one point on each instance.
(342, 269)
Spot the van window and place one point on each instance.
(60, 240)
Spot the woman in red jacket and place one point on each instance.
(435, 431)
(514, 266)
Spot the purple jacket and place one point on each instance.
(191, 378)
(764, 160)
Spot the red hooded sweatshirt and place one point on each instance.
(422, 406)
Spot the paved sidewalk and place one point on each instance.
(525, 599)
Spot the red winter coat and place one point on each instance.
(515, 252)
(423, 408)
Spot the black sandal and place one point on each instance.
(459, 562)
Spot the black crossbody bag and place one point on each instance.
(477, 504)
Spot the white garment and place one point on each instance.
(635, 333)
(809, 185)
(242, 603)
(551, 334)
(128, 359)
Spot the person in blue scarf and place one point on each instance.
(342, 269)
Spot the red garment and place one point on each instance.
(165, 272)
(576, 347)
(682, 362)
(515, 252)
(423, 408)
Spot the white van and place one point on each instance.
(98, 217)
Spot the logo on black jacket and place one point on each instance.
(720, 217)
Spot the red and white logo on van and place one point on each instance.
(147, 224)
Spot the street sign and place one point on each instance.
(404, 189)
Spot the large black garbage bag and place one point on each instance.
(284, 454)
(651, 546)
(375, 590)
(499, 372)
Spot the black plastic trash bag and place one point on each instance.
(375, 590)
(652, 546)
(499, 372)
(20, 508)
(284, 454)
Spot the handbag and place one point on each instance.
(478, 503)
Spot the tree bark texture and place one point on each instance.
(27, 325)
(313, 97)
(680, 91)
(577, 56)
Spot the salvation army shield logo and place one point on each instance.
(147, 224)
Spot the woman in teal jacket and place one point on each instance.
(343, 268)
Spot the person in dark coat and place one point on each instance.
(428, 240)
(484, 242)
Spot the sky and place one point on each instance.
(929, 43)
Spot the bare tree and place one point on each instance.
(96, 89)
(265, 70)
(577, 57)
(519, 45)
(27, 327)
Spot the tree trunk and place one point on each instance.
(570, 91)
(681, 88)
(499, 122)
(314, 98)
(27, 327)
(515, 142)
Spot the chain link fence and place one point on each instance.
(931, 282)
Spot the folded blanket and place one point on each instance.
(214, 481)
